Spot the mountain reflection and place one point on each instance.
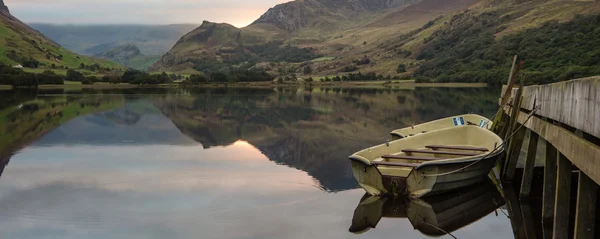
(310, 129)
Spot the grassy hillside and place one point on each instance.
(19, 44)
(435, 40)
(476, 49)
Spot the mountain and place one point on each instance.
(20, 44)
(3, 7)
(152, 40)
(129, 55)
(296, 15)
(434, 40)
(336, 32)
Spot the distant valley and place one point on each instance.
(102, 41)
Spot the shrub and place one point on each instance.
(401, 68)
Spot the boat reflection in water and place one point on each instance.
(433, 216)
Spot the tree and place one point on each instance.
(218, 77)
(130, 75)
(31, 63)
(401, 68)
(89, 80)
(81, 66)
(73, 75)
(307, 70)
(198, 78)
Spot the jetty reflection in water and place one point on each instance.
(433, 216)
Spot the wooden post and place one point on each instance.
(528, 221)
(547, 232)
(562, 200)
(529, 165)
(585, 212)
(514, 74)
(549, 186)
(514, 211)
(513, 154)
(516, 109)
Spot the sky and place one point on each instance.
(236, 12)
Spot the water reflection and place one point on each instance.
(432, 216)
(221, 163)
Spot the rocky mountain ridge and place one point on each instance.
(295, 15)
(3, 6)
(129, 55)
(121, 53)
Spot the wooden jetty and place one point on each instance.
(564, 116)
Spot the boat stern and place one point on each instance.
(367, 175)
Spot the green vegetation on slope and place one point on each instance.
(18, 48)
(19, 44)
(142, 62)
(470, 52)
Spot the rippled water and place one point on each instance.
(220, 163)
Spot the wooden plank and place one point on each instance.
(456, 148)
(409, 157)
(562, 199)
(395, 164)
(549, 186)
(529, 165)
(439, 152)
(583, 154)
(513, 154)
(585, 212)
(575, 103)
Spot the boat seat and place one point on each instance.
(456, 148)
(395, 164)
(439, 152)
(408, 157)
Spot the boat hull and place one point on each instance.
(431, 179)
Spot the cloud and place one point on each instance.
(236, 12)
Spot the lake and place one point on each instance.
(222, 163)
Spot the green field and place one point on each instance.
(325, 58)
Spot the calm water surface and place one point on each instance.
(216, 163)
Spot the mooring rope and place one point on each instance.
(490, 153)
(436, 227)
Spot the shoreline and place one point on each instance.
(260, 84)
